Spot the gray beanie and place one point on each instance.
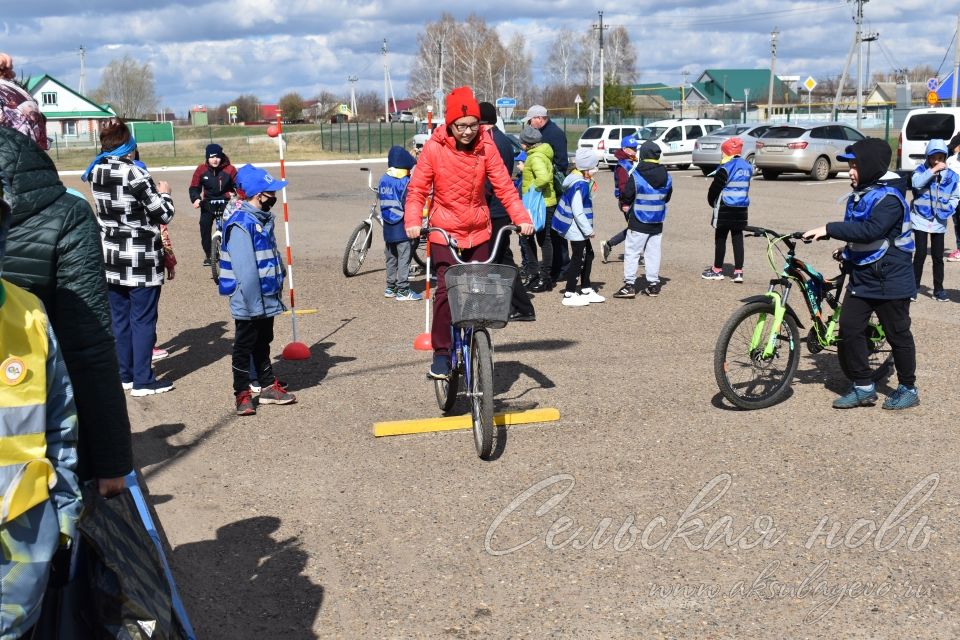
(586, 159)
(530, 135)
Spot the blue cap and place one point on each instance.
(629, 142)
(253, 180)
(937, 146)
(847, 154)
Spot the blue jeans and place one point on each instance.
(134, 313)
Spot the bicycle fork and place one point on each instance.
(779, 302)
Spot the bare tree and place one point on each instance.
(587, 65)
(324, 102)
(128, 87)
(619, 57)
(369, 106)
(564, 52)
(291, 106)
(248, 108)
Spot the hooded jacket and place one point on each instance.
(650, 169)
(538, 173)
(209, 183)
(457, 178)
(54, 251)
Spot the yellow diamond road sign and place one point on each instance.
(810, 83)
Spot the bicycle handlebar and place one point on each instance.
(453, 243)
(759, 232)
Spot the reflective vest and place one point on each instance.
(934, 199)
(650, 206)
(563, 216)
(26, 474)
(629, 167)
(269, 264)
(734, 193)
(391, 195)
(859, 208)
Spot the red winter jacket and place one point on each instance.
(458, 179)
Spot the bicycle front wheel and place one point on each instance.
(446, 390)
(215, 258)
(745, 376)
(879, 353)
(420, 255)
(357, 247)
(481, 392)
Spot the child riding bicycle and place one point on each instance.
(456, 162)
(214, 179)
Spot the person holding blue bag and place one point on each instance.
(935, 198)
(573, 221)
(392, 192)
(538, 181)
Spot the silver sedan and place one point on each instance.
(706, 152)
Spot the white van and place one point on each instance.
(677, 137)
(921, 126)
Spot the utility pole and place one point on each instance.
(439, 93)
(869, 38)
(956, 64)
(386, 82)
(353, 94)
(773, 63)
(599, 27)
(846, 67)
(683, 92)
(860, 4)
(82, 89)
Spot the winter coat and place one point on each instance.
(538, 173)
(54, 251)
(210, 183)
(557, 139)
(457, 177)
(656, 176)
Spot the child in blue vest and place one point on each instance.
(935, 198)
(573, 220)
(729, 197)
(399, 248)
(252, 274)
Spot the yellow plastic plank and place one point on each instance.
(453, 423)
(300, 312)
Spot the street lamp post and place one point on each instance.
(746, 103)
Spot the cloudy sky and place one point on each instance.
(209, 51)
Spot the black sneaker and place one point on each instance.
(652, 290)
(206, 262)
(626, 291)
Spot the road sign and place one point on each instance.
(232, 110)
(578, 100)
(933, 84)
(505, 103)
(932, 98)
(810, 83)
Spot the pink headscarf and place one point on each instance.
(18, 110)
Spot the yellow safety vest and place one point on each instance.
(26, 474)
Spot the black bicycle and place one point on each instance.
(217, 207)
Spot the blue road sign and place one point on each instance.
(505, 103)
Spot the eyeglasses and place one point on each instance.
(463, 128)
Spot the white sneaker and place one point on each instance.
(592, 296)
(127, 386)
(574, 300)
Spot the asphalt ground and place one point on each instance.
(298, 523)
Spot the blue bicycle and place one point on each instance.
(479, 296)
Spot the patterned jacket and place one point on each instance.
(130, 212)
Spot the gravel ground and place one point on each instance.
(651, 509)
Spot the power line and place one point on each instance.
(952, 40)
(731, 19)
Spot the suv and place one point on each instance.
(921, 126)
(604, 139)
(706, 150)
(677, 137)
(402, 116)
(423, 134)
(804, 148)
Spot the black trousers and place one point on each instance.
(561, 256)
(936, 254)
(581, 261)
(252, 338)
(720, 247)
(894, 316)
(520, 302)
(206, 225)
(545, 240)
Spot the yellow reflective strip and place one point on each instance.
(32, 488)
(18, 449)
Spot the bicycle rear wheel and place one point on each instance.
(481, 392)
(745, 377)
(215, 258)
(879, 353)
(360, 240)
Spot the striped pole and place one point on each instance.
(295, 350)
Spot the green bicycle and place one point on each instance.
(758, 349)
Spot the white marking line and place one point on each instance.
(295, 163)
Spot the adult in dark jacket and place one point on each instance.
(521, 307)
(54, 251)
(554, 136)
(879, 258)
(215, 179)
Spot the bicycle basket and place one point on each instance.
(479, 294)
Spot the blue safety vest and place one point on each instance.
(269, 264)
(391, 193)
(933, 201)
(563, 216)
(735, 192)
(629, 167)
(650, 206)
(859, 208)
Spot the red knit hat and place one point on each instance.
(732, 146)
(461, 103)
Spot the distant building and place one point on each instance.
(69, 114)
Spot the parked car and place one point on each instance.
(921, 126)
(706, 150)
(804, 148)
(402, 116)
(677, 137)
(604, 139)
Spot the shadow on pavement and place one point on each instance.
(304, 374)
(246, 585)
(535, 345)
(194, 349)
(151, 446)
(507, 373)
